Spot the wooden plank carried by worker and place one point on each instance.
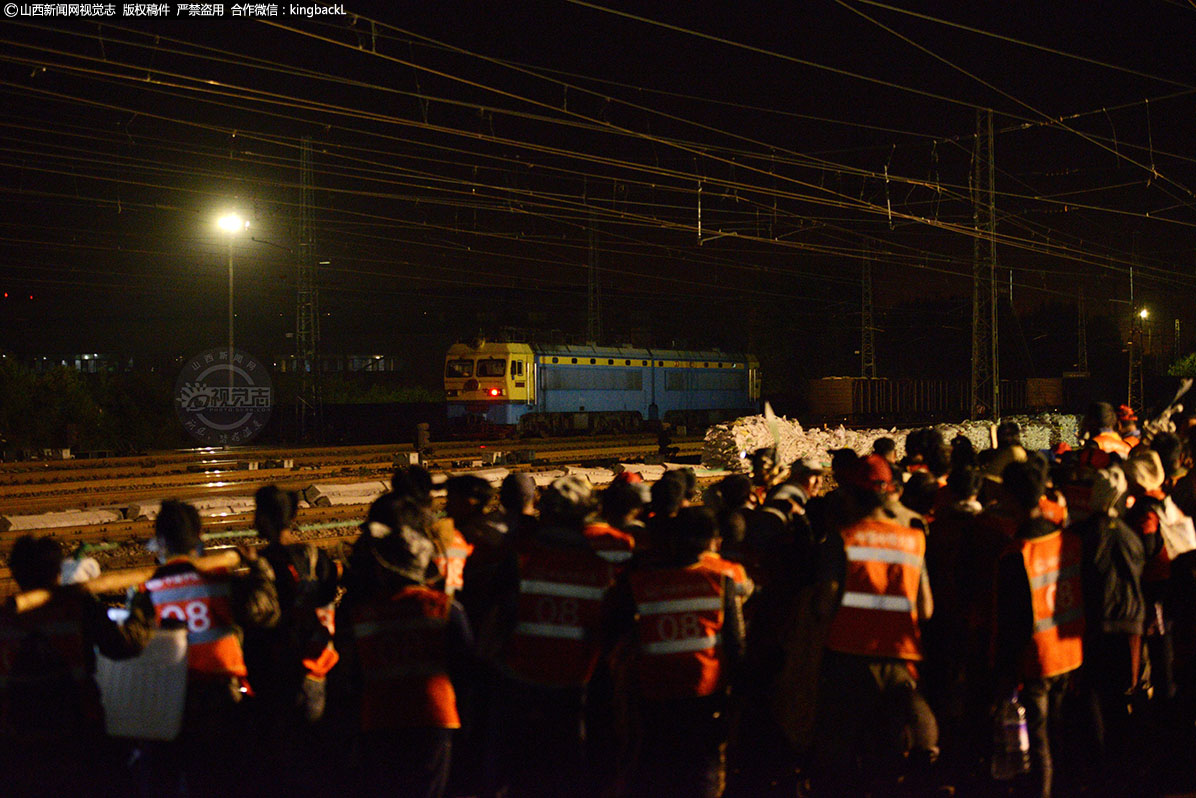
(122, 580)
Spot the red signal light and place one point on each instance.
(495, 392)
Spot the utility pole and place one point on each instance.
(1134, 393)
(986, 380)
(867, 342)
(308, 401)
(594, 300)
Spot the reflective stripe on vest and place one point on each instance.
(1053, 570)
(451, 563)
(555, 639)
(403, 651)
(203, 604)
(679, 621)
(878, 614)
(609, 543)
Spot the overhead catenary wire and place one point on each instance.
(663, 207)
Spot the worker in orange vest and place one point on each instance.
(868, 704)
(289, 663)
(410, 648)
(612, 534)
(1127, 426)
(682, 624)
(1040, 618)
(51, 720)
(550, 620)
(1100, 422)
(212, 607)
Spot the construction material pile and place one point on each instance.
(730, 445)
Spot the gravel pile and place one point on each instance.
(729, 445)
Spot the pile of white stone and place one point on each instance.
(730, 445)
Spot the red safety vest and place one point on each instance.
(1053, 568)
(556, 636)
(679, 618)
(878, 616)
(451, 563)
(402, 648)
(203, 601)
(53, 634)
(611, 544)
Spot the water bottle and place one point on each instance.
(1011, 740)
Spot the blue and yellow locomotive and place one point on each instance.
(557, 389)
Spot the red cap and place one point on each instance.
(630, 477)
(1126, 413)
(871, 473)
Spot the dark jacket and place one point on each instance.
(305, 579)
(1113, 559)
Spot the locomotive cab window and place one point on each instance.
(492, 367)
(458, 368)
(516, 368)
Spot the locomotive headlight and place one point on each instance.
(496, 391)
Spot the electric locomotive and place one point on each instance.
(558, 389)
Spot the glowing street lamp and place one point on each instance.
(1144, 314)
(231, 224)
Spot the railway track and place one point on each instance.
(36, 487)
(31, 488)
(121, 546)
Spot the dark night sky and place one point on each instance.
(463, 150)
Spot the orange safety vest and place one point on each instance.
(732, 570)
(611, 544)
(878, 616)
(1111, 443)
(679, 618)
(54, 628)
(451, 562)
(555, 640)
(203, 601)
(1053, 568)
(403, 651)
(1053, 511)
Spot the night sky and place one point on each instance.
(464, 151)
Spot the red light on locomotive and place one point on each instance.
(495, 392)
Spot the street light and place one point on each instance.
(1144, 314)
(231, 224)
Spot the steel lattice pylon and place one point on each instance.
(867, 329)
(308, 404)
(986, 379)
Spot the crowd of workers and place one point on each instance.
(778, 639)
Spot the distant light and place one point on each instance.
(1144, 314)
(495, 392)
(31, 296)
(231, 223)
